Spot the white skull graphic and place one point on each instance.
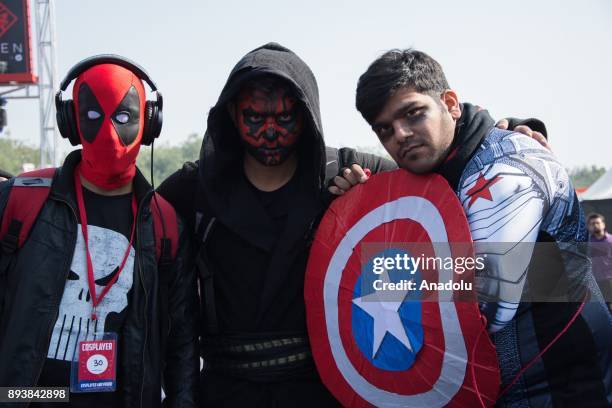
(106, 248)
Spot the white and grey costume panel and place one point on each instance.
(507, 189)
(515, 193)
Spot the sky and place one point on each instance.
(546, 59)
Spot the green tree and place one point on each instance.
(13, 154)
(167, 159)
(584, 176)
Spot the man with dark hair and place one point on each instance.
(389, 73)
(514, 194)
(600, 246)
(593, 216)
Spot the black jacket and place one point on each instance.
(31, 289)
(243, 238)
(259, 274)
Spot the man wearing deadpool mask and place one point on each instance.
(263, 181)
(88, 276)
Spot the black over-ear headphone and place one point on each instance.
(65, 113)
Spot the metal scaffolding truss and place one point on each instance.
(44, 91)
(47, 80)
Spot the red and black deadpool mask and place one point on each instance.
(109, 102)
(269, 121)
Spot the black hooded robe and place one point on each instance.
(258, 245)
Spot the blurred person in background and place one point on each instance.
(600, 245)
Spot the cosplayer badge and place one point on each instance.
(94, 369)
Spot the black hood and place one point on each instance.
(221, 153)
(227, 195)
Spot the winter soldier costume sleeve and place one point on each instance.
(525, 217)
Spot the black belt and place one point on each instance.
(261, 358)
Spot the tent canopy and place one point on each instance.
(598, 198)
(600, 190)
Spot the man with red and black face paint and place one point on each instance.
(269, 119)
(89, 271)
(259, 189)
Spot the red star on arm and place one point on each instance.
(482, 189)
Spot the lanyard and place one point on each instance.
(90, 272)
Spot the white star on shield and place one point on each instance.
(385, 315)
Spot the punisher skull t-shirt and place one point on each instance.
(109, 221)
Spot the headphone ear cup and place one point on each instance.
(66, 123)
(156, 121)
(152, 125)
(59, 118)
(147, 138)
(71, 124)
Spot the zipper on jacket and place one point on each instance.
(50, 332)
(144, 288)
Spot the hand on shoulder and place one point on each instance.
(348, 177)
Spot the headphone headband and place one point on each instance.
(65, 110)
(87, 63)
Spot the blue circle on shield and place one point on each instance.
(386, 321)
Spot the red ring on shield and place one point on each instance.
(457, 365)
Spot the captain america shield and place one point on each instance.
(407, 345)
